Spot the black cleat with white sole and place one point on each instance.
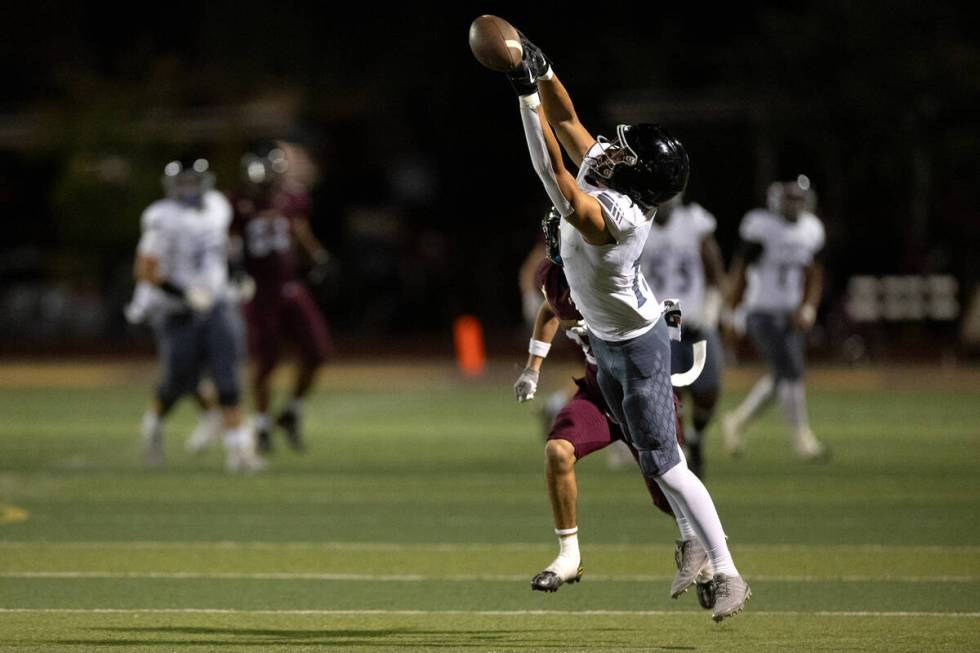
(549, 581)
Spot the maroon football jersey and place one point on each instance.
(550, 278)
(265, 226)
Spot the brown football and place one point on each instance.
(495, 43)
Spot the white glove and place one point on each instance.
(526, 385)
(199, 298)
(711, 307)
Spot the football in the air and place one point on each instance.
(495, 43)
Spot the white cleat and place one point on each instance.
(243, 460)
(732, 435)
(731, 593)
(691, 560)
(206, 434)
(810, 449)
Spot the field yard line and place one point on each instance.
(469, 546)
(419, 578)
(518, 613)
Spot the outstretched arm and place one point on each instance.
(579, 209)
(560, 112)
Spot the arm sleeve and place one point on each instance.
(541, 160)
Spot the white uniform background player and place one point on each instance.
(778, 269)
(682, 260)
(182, 263)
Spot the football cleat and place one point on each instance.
(691, 559)
(288, 421)
(731, 593)
(706, 594)
(242, 460)
(550, 580)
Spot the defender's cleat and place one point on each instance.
(734, 439)
(706, 594)
(550, 581)
(691, 559)
(731, 593)
(288, 421)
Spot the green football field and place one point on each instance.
(418, 517)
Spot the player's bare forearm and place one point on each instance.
(146, 268)
(714, 266)
(813, 285)
(736, 283)
(545, 327)
(307, 240)
(560, 113)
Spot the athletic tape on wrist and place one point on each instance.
(532, 101)
(538, 348)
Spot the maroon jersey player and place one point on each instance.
(271, 221)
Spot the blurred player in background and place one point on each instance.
(182, 266)
(271, 221)
(682, 259)
(777, 269)
(581, 427)
(609, 206)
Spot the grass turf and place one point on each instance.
(419, 515)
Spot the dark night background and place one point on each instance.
(426, 194)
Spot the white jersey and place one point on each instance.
(607, 284)
(672, 258)
(775, 280)
(190, 244)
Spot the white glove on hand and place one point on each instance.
(526, 385)
(199, 298)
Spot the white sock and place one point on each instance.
(238, 437)
(683, 522)
(150, 425)
(792, 397)
(569, 558)
(693, 501)
(758, 398)
(262, 422)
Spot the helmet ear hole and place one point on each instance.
(661, 165)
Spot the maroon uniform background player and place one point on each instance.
(271, 220)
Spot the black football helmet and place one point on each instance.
(187, 180)
(551, 225)
(644, 162)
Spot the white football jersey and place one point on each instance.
(775, 280)
(672, 258)
(607, 284)
(190, 244)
